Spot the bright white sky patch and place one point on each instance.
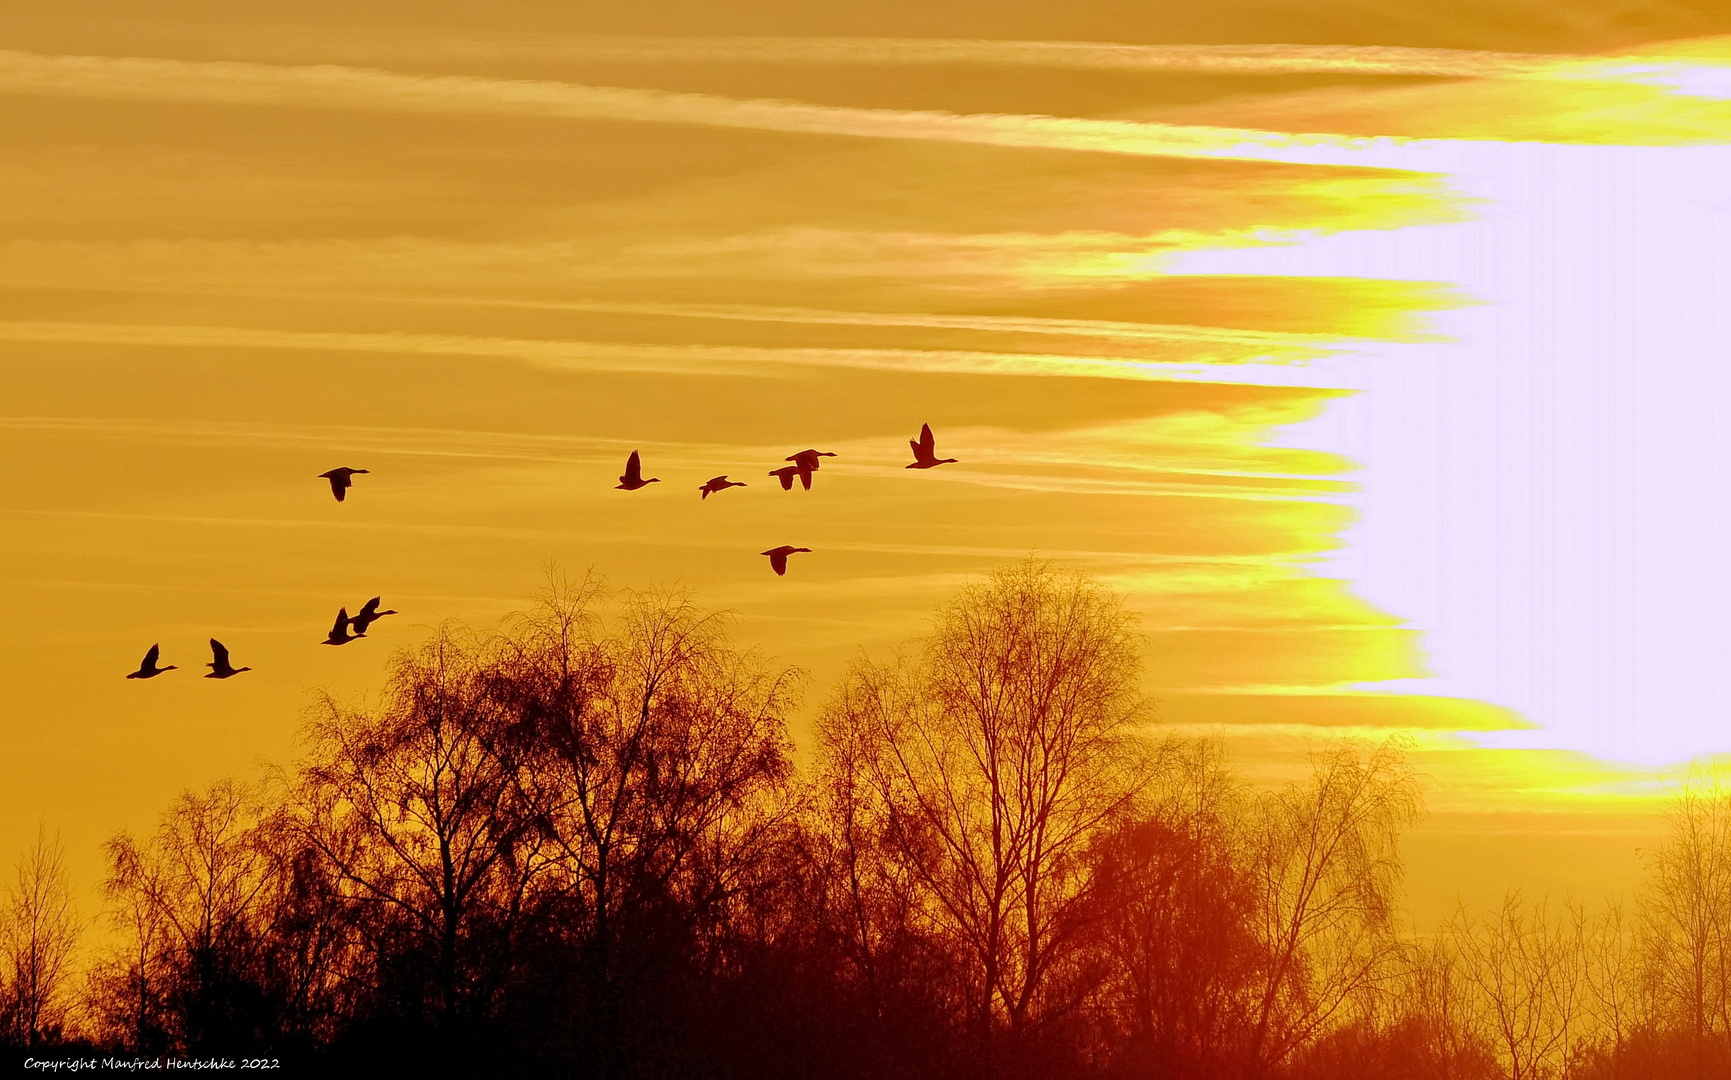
(1545, 496)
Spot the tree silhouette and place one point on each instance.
(994, 760)
(185, 902)
(1328, 873)
(38, 933)
(655, 763)
(412, 812)
(1178, 903)
(578, 845)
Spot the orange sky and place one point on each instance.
(445, 256)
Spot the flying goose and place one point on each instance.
(339, 634)
(368, 615)
(633, 478)
(219, 666)
(148, 669)
(341, 479)
(786, 474)
(925, 451)
(718, 483)
(778, 557)
(808, 459)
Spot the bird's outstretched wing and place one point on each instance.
(370, 608)
(927, 444)
(633, 468)
(150, 658)
(339, 485)
(805, 478)
(218, 653)
(342, 622)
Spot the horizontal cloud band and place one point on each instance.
(327, 86)
(687, 359)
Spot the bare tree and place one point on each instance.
(412, 814)
(655, 757)
(1328, 870)
(874, 898)
(1435, 1013)
(1618, 999)
(1179, 925)
(1686, 915)
(1528, 969)
(187, 901)
(38, 934)
(124, 994)
(996, 759)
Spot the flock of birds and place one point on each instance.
(349, 628)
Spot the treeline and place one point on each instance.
(582, 847)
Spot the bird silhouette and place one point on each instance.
(148, 669)
(925, 451)
(778, 557)
(808, 459)
(718, 483)
(339, 634)
(341, 479)
(786, 474)
(368, 615)
(633, 478)
(219, 666)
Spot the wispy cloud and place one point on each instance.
(1687, 76)
(1271, 363)
(802, 261)
(414, 442)
(1117, 330)
(1150, 458)
(330, 86)
(1068, 55)
(333, 86)
(991, 324)
(399, 44)
(430, 529)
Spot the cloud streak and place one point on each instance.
(341, 87)
(1044, 326)
(1072, 56)
(1273, 364)
(374, 46)
(1060, 55)
(335, 87)
(414, 442)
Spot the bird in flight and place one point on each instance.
(786, 474)
(633, 478)
(808, 459)
(339, 634)
(718, 483)
(219, 666)
(148, 669)
(341, 479)
(925, 451)
(368, 615)
(778, 557)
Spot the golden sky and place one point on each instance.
(1172, 281)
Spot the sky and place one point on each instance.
(1369, 352)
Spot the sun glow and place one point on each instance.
(1544, 493)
